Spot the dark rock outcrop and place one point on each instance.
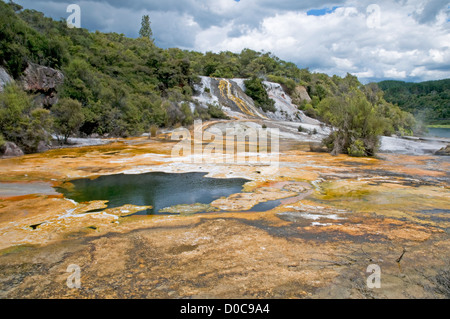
(10, 149)
(44, 80)
(38, 78)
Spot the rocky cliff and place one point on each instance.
(43, 80)
(230, 95)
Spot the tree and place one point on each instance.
(146, 30)
(20, 121)
(69, 117)
(16, 7)
(356, 121)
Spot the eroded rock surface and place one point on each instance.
(336, 216)
(43, 80)
(10, 149)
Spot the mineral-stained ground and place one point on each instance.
(337, 216)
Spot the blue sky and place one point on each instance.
(405, 40)
(321, 12)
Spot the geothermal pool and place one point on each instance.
(159, 190)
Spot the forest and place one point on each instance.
(120, 86)
(428, 101)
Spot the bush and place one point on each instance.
(357, 123)
(38, 130)
(69, 117)
(201, 113)
(153, 130)
(215, 111)
(20, 121)
(256, 90)
(357, 149)
(287, 84)
(2, 140)
(188, 116)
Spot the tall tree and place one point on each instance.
(69, 117)
(146, 30)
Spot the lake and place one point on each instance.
(439, 132)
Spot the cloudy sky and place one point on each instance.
(405, 40)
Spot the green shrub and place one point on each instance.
(69, 117)
(215, 111)
(287, 84)
(201, 113)
(187, 112)
(357, 149)
(153, 130)
(20, 121)
(256, 90)
(357, 122)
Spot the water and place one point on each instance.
(159, 190)
(266, 206)
(439, 132)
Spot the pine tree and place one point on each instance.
(146, 30)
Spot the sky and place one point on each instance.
(407, 40)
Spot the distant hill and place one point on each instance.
(428, 101)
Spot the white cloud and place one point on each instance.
(395, 74)
(407, 39)
(343, 63)
(399, 47)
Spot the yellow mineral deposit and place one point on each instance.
(337, 215)
(225, 88)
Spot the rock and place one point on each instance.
(317, 147)
(445, 151)
(38, 78)
(42, 147)
(42, 79)
(47, 99)
(10, 149)
(302, 94)
(5, 78)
